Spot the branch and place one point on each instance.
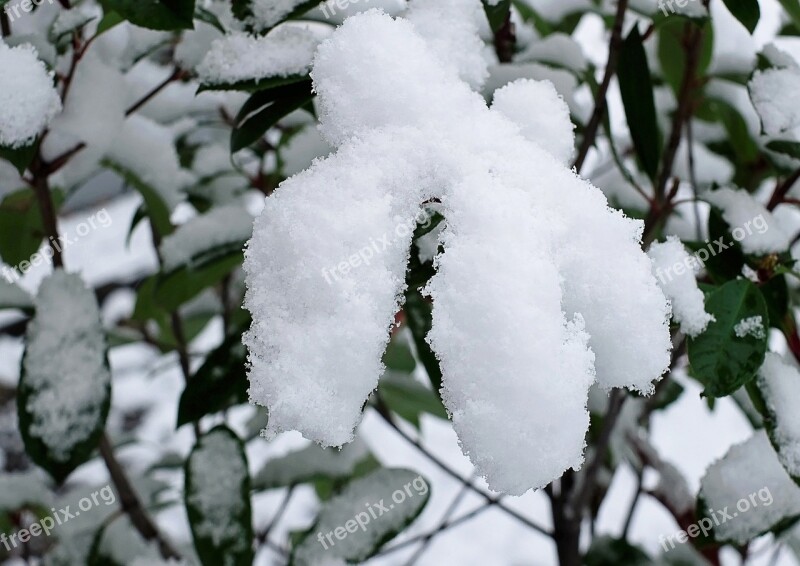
(600, 103)
(131, 504)
(5, 25)
(781, 190)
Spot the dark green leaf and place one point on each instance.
(672, 52)
(637, 97)
(398, 356)
(403, 493)
(157, 210)
(42, 404)
(746, 11)
(208, 17)
(408, 398)
(219, 383)
(721, 359)
(792, 8)
(790, 148)
(110, 20)
(419, 321)
(165, 15)
(217, 498)
(264, 109)
(497, 14)
(20, 157)
(254, 85)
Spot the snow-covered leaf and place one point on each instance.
(727, 355)
(369, 512)
(217, 497)
(65, 387)
(312, 464)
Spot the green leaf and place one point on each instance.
(721, 359)
(637, 97)
(606, 551)
(217, 499)
(20, 157)
(21, 231)
(311, 464)
(739, 137)
(164, 15)
(419, 318)
(398, 356)
(209, 17)
(219, 383)
(792, 8)
(255, 85)
(264, 109)
(110, 20)
(157, 210)
(408, 398)
(65, 384)
(787, 147)
(369, 512)
(497, 13)
(672, 53)
(205, 270)
(746, 11)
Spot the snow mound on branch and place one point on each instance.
(28, 99)
(779, 384)
(773, 92)
(540, 281)
(542, 114)
(237, 57)
(687, 300)
(751, 223)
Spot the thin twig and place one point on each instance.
(600, 103)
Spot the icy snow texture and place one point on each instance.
(749, 468)
(65, 366)
(779, 384)
(223, 226)
(760, 233)
(546, 122)
(774, 94)
(28, 99)
(532, 251)
(751, 326)
(687, 300)
(216, 470)
(237, 57)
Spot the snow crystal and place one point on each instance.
(507, 317)
(541, 113)
(752, 225)
(773, 92)
(779, 384)
(751, 326)
(749, 469)
(457, 43)
(286, 51)
(223, 226)
(65, 368)
(216, 470)
(28, 99)
(687, 300)
(268, 13)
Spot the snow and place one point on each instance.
(756, 228)
(772, 92)
(72, 19)
(779, 384)
(284, 52)
(65, 368)
(749, 469)
(11, 295)
(28, 99)
(456, 42)
(675, 270)
(409, 130)
(216, 471)
(222, 227)
(95, 106)
(268, 13)
(541, 113)
(23, 490)
(146, 149)
(751, 326)
(557, 49)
